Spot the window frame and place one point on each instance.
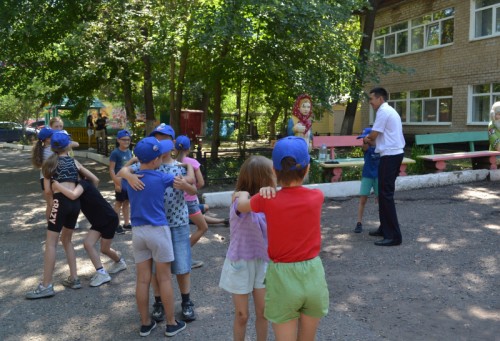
(495, 20)
(493, 97)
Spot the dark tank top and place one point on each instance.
(66, 170)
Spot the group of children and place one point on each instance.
(275, 235)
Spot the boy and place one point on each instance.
(151, 238)
(178, 217)
(369, 178)
(118, 158)
(296, 290)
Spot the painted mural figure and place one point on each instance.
(301, 121)
(494, 127)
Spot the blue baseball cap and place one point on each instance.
(365, 133)
(182, 142)
(294, 147)
(147, 149)
(45, 133)
(163, 129)
(122, 133)
(166, 146)
(60, 140)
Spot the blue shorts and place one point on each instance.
(193, 207)
(366, 186)
(121, 196)
(182, 250)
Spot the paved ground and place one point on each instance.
(441, 284)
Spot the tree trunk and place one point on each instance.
(272, 123)
(148, 89)
(127, 96)
(175, 120)
(358, 80)
(217, 116)
(172, 89)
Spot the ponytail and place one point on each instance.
(50, 165)
(37, 154)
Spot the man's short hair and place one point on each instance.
(380, 92)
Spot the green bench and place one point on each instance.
(483, 159)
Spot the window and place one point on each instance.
(430, 106)
(429, 31)
(483, 97)
(486, 18)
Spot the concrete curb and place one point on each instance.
(335, 189)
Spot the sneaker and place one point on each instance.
(359, 228)
(158, 313)
(196, 264)
(99, 279)
(117, 267)
(188, 311)
(172, 330)
(41, 292)
(77, 226)
(226, 222)
(72, 283)
(119, 230)
(127, 227)
(146, 330)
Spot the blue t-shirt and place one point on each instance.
(120, 158)
(372, 160)
(146, 206)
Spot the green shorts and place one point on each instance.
(293, 289)
(366, 186)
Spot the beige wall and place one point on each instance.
(332, 123)
(465, 62)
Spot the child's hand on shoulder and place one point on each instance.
(240, 194)
(267, 192)
(135, 182)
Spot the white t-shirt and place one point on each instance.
(390, 140)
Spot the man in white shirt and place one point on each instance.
(387, 136)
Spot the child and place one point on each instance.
(178, 218)
(296, 290)
(57, 124)
(64, 213)
(182, 145)
(41, 151)
(151, 237)
(103, 220)
(245, 265)
(369, 178)
(118, 158)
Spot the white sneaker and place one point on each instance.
(117, 267)
(99, 279)
(77, 226)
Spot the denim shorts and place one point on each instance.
(193, 207)
(182, 250)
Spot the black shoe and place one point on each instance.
(388, 242)
(127, 227)
(119, 230)
(226, 222)
(158, 313)
(188, 311)
(146, 330)
(359, 228)
(376, 233)
(172, 330)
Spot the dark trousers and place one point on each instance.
(388, 171)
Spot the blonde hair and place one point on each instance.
(54, 120)
(255, 173)
(37, 154)
(494, 109)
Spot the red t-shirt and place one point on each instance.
(293, 223)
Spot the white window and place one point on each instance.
(429, 106)
(486, 18)
(426, 32)
(482, 98)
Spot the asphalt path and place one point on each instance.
(442, 283)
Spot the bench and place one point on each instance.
(484, 159)
(345, 141)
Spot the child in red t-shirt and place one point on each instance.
(296, 290)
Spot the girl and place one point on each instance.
(182, 145)
(64, 213)
(41, 151)
(246, 260)
(57, 124)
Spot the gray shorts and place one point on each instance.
(152, 242)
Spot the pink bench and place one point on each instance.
(345, 141)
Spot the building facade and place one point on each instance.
(451, 53)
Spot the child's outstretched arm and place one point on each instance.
(130, 162)
(133, 180)
(243, 201)
(88, 175)
(68, 193)
(189, 172)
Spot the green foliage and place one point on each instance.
(418, 166)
